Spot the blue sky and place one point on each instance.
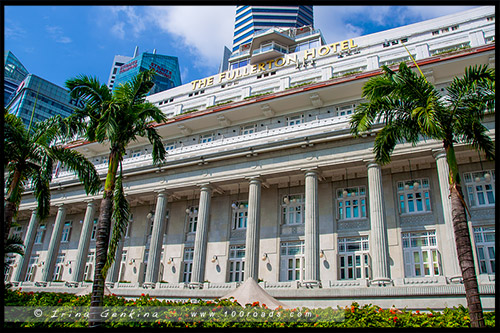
(60, 42)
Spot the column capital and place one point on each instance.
(371, 163)
(89, 201)
(439, 153)
(205, 186)
(161, 191)
(254, 178)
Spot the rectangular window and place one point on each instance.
(187, 264)
(30, 274)
(345, 110)
(351, 203)
(89, 267)
(421, 255)
(293, 209)
(66, 232)
(484, 238)
(40, 233)
(292, 261)
(93, 234)
(58, 269)
(480, 188)
(249, 129)
(354, 259)
(192, 219)
(295, 120)
(206, 138)
(414, 196)
(236, 263)
(240, 214)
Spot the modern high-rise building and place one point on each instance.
(250, 19)
(118, 61)
(166, 67)
(264, 180)
(37, 99)
(14, 74)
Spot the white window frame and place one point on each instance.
(31, 271)
(408, 196)
(192, 219)
(480, 192)
(421, 254)
(295, 120)
(145, 264)
(136, 153)
(292, 213)
(236, 263)
(59, 267)
(89, 265)
(206, 138)
(66, 232)
(93, 232)
(353, 204)
(240, 214)
(169, 146)
(187, 264)
(248, 129)
(354, 260)
(40, 233)
(292, 261)
(484, 237)
(345, 110)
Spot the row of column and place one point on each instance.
(378, 238)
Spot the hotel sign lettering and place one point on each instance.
(287, 59)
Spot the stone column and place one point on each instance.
(156, 241)
(200, 241)
(253, 230)
(83, 244)
(29, 239)
(311, 230)
(55, 240)
(452, 265)
(378, 235)
(114, 270)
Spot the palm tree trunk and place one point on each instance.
(463, 242)
(102, 240)
(10, 206)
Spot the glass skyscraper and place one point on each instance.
(14, 74)
(250, 19)
(42, 99)
(166, 67)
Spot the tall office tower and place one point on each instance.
(14, 74)
(167, 70)
(37, 99)
(250, 19)
(118, 61)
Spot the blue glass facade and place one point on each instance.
(250, 19)
(41, 98)
(14, 73)
(166, 67)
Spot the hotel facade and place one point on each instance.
(264, 180)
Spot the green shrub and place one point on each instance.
(352, 317)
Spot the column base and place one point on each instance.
(311, 284)
(41, 284)
(455, 279)
(149, 285)
(72, 284)
(381, 282)
(15, 283)
(110, 284)
(195, 285)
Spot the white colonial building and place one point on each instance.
(263, 179)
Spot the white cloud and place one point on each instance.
(57, 34)
(202, 30)
(343, 22)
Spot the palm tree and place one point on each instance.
(116, 118)
(411, 108)
(29, 158)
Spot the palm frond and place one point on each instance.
(14, 244)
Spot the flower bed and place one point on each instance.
(147, 311)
